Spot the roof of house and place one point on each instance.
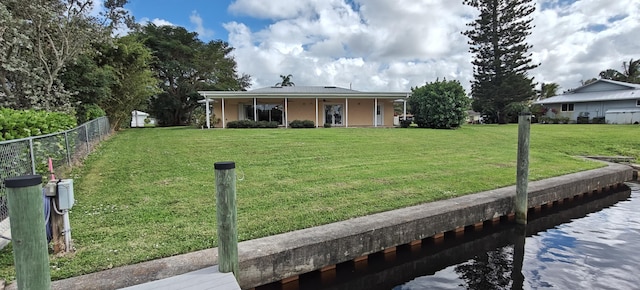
(302, 92)
(625, 91)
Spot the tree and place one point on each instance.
(548, 90)
(134, 81)
(440, 104)
(501, 62)
(184, 65)
(286, 81)
(40, 38)
(611, 74)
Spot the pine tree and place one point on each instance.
(501, 62)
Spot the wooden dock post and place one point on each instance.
(30, 252)
(227, 217)
(521, 202)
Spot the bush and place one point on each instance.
(439, 105)
(89, 112)
(598, 120)
(199, 118)
(405, 123)
(16, 124)
(302, 124)
(252, 124)
(327, 125)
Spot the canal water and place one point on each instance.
(590, 243)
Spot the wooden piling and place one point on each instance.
(227, 217)
(30, 252)
(524, 126)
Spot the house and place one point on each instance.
(336, 106)
(138, 117)
(617, 102)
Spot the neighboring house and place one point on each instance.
(138, 117)
(339, 107)
(618, 102)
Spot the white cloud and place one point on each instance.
(381, 45)
(200, 29)
(156, 21)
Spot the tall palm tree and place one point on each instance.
(286, 81)
(631, 71)
(548, 90)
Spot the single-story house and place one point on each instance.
(618, 102)
(332, 105)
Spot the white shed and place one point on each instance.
(138, 117)
(623, 116)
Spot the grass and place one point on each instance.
(147, 194)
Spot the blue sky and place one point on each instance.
(383, 45)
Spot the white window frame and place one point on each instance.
(568, 104)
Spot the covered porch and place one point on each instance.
(346, 108)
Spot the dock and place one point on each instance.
(208, 278)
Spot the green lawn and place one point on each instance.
(149, 193)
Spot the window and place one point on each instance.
(567, 107)
(638, 103)
(266, 112)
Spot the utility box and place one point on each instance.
(65, 194)
(50, 188)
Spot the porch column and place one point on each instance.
(255, 109)
(404, 111)
(346, 112)
(316, 112)
(286, 112)
(223, 117)
(375, 111)
(206, 110)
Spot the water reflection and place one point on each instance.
(566, 247)
(580, 248)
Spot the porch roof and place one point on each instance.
(301, 92)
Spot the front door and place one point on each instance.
(333, 114)
(380, 115)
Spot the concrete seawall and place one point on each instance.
(290, 254)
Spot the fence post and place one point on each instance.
(99, 130)
(225, 175)
(86, 138)
(30, 252)
(33, 156)
(521, 202)
(66, 143)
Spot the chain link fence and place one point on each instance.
(31, 156)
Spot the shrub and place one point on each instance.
(327, 125)
(252, 124)
(89, 112)
(598, 120)
(302, 124)
(405, 123)
(439, 105)
(199, 118)
(16, 124)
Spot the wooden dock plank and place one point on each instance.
(207, 278)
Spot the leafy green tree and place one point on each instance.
(134, 81)
(40, 38)
(501, 62)
(440, 104)
(286, 81)
(184, 65)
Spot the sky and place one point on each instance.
(385, 45)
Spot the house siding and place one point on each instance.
(594, 109)
(360, 111)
